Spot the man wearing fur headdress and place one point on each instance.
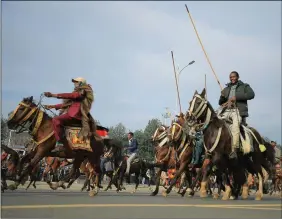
(75, 108)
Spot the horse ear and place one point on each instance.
(203, 94)
(196, 92)
(31, 99)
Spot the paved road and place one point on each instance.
(43, 203)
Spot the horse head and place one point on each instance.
(199, 113)
(22, 113)
(159, 133)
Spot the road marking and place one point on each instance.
(254, 206)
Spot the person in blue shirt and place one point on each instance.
(131, 150)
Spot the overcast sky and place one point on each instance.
(123, 50)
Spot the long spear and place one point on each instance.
(203, 47)
(176, 81)
(206, 86)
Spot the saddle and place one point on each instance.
(246, 134)
(72, 132)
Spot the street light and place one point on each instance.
(178, 74)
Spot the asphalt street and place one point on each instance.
(45, 203)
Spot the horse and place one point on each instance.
(181, 146)
(138, 166)
(29, 116)
(217, 141)
(164, 155)
(13, 166)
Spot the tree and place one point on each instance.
(4, 131)
(146, 148)
(151, 127)
(118, 132)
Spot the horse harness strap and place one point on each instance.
(200, 110)
(166, 156)
(215, 143)
(38, 122)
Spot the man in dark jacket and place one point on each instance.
(235, 96)
(132, 150)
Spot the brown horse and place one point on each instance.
(13, 166)
(217, 141)
(167, 156)
(52, 166)
(29, 116)
(181, 145)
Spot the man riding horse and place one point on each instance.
(132, 150)
(74, 109)
(234, 99)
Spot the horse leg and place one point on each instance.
(175, 178)
(31, 181)
(136, 182)
(26, 171)
(205, 171)
(97, 171)
(86, 183)
(95, 191)
(110, 182)
(158, 177)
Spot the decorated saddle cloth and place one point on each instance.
(75, 142)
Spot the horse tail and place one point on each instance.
(269, 153)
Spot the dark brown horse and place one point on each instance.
(29, 116)
(217, 141)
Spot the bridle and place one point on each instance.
(199, 111)
(23, 119)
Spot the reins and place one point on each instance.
(36, 121)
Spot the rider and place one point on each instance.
(236, 93)
(132, 150)
(76, 108)
(196, 158)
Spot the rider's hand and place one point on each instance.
(48, 94)
(49, 106)
(233, 99)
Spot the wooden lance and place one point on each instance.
(206, 55)
(176, 81)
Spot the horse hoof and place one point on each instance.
(153, 194)
(225, 198)
(215, 196)
(203, 194)
(93, 193)
(164, 194)
(258, 197)
(133, 191)
(233, 197)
